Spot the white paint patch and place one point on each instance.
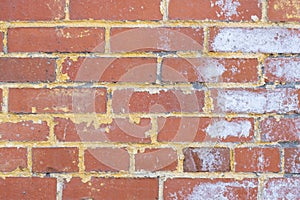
(281, 101)
(223, 129)
(271, 40)
(282, 189)
(211, 70)
(228, 7)
(211, 160)
(286, 68)
(218, 190)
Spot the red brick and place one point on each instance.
(259, 101)
(246, 40)
(106, 159)
(281, 188)
(115, 10)
(1, 99)
(265, 159)
(187, 188)
(209, 70)
(13, 10)
(215, 10)
(28, 100)
(28, 188)
(206, 159)
(156, 39)
(55, 40)
(156, 160)
(1, 41)
(162, 101)
(282, 130)
(12, 159)
(193, 129)
(119, 130)
(111, 69)
(111, 188)
(282, 69)
(279, 10)
(54, 160)
(292, 160)
(24, 131)
(27, 69)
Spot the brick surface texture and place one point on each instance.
(149, 99)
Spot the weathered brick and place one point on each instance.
(236, 10)
(24, 131)
(13, 10)
(12, 158)
(27, 100)
(280, 130)
(111, 188)
(163, 159)
(256, 101)
(187, 188)
(28, 188)
(209, 70)
(119, 130)
(292, 160)
(156, 39)
(282, 69)
(1, 100)
(279, 10)
(1, 41)
(206, 159)
(106, 159)
(27, 69)
(259, 159)
(111, 69)
(281, 188)
(115, 10)
(55, 39)
(160, 101)
(55, 159)
(248, 40)
(193, 129)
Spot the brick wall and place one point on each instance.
(149, 99)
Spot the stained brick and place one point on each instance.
(12, 159)
(292, 160)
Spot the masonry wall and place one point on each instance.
(149, 99)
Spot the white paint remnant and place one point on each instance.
(211, 160)
(211, 70)
(280, 101)
(294, 161)
(286, 68)
(228, 7)
(282, 189)
(219, 190)
(271, 40)
(223, 129)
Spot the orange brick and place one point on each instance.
(120, 130)
(111, 69)
(284, 11)
(32, 70)
(265, 159)
(156, 39)
(239, 10)
(69, 100)
(12, 159)
(48, 160)
(28, 188)
(106, 159)
(115, 10)
(282, 130)
(156, 160)
(55, 39)
(24, 131)
(291, 160)
(111, 188)
(187, 188)
(13, 10)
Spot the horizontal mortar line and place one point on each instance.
(162, 145)
(129, 24)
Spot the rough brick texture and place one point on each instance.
(149, 99)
